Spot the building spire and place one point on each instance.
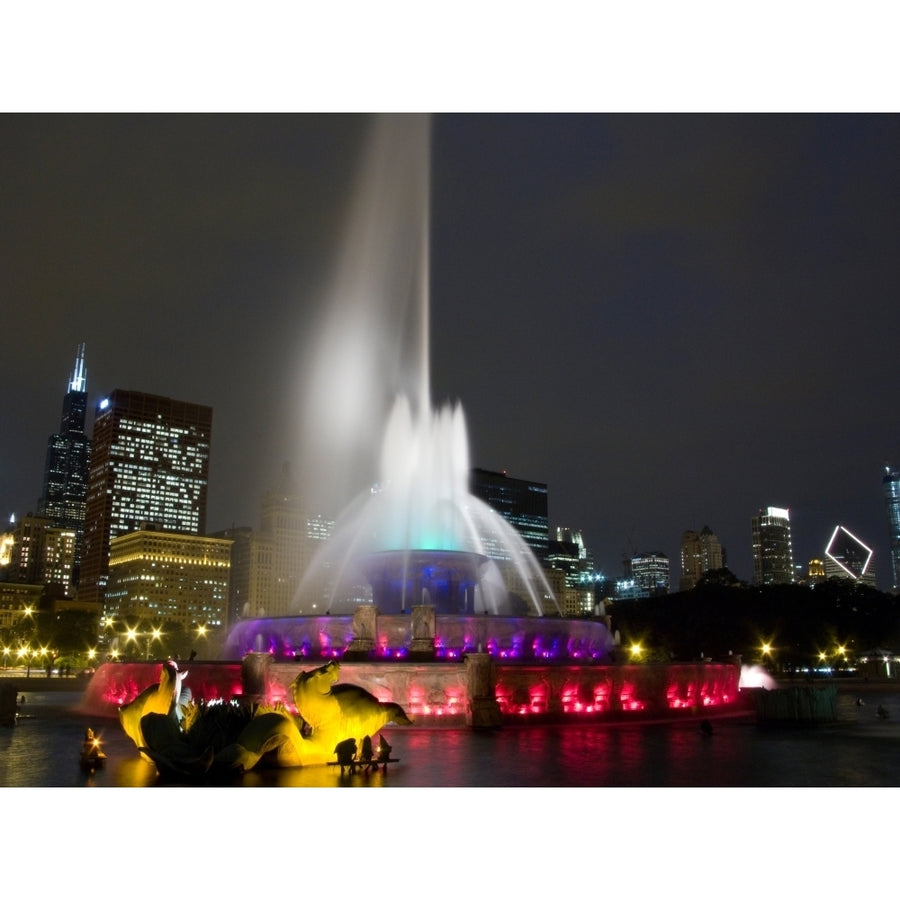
(78, 381)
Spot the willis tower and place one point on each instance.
(68, 459)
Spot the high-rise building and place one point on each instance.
(522, 503)
(40, 552)
(568, 556)
(651, 573)
(149, 467)
(67, 463)
(280, 552)
(773, 557)
(891, 487)
(239, 574)
(158, 576)
(846, 556)
(701, 552)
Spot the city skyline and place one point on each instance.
(672, 321)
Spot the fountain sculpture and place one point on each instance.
(186, 739)
(431, 599)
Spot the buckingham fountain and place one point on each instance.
(423, 596)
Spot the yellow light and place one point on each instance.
(636, 650)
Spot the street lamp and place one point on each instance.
(132, 634)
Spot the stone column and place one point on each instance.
(365, 629)
(421, 645)
(482, 709)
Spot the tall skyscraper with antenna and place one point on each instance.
(67, 464)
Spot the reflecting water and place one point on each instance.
(860, 750)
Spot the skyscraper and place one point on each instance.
(700, 553)
(846, 556)
(773, 558)
(651, 573)
(67, 463)
(891, 487)
(522, 503)
(149, 467)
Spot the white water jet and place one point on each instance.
(369, 388)
(756, 677)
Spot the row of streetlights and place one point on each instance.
(135, 635)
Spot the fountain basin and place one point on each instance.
(507, 639)
(444, 693)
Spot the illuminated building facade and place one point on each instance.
(66, 468)
(773, 557)
(149, 466)
(239, 574)
(158, 576)
(815, 571)
(651, 573)
(891, 486)
(17, 602)
(701, 552)
(278, 555)
(846, 556)
(522, 503)
(37, 551)
(568, 557)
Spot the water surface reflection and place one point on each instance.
(860, 750)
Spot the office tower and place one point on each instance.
(651, 573)
(773, 560)
(701, 552)
(568, 556)
(280, 552)
(891, 487)
(67, 463)
(149, 467)
(239, 574)
(846, 556)
(40, 552)
(158, 576)
(522, 503)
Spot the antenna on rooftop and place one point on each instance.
(78, 382)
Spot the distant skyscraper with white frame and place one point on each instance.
(846, 556)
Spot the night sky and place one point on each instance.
(672, 320)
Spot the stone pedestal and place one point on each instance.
(421, 644)
(255, 677)
(365, 629)
(482, 711)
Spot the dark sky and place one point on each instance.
(672, 320)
